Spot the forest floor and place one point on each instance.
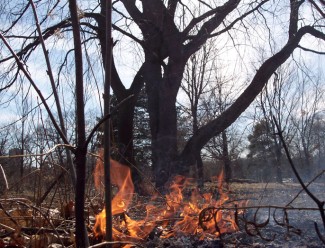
(264, 223)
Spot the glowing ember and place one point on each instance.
(178, 216)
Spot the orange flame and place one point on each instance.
(121, 177)
(179, 216)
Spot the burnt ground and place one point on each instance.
(291, 228)
(264, 222)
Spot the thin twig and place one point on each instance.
(72, 148)
(7, 228)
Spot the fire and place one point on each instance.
(121, 177)
(180, 215)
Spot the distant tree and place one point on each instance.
(260, 141)
(261, 149)
(213, 104)
(3, 141)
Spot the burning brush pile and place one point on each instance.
(182, 213)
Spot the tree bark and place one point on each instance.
(162, 114)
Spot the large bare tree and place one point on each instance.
(167, 49)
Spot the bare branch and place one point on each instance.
(133, 11)
(293, 21)
(172, 4)
(28, 76)
(46, 34)
(16, 21)
(218, 14)
(311, 50)
(70, 147)
(140, 42)
(246, 98)
(231, 25)
(320, 11)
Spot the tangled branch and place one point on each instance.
(251, 225)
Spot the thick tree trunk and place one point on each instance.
(162, 93)
(199, 162)
(153, 77)
(125, 138)
(163, 124)
(125, 124)
(166, 143)
(125, 132)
